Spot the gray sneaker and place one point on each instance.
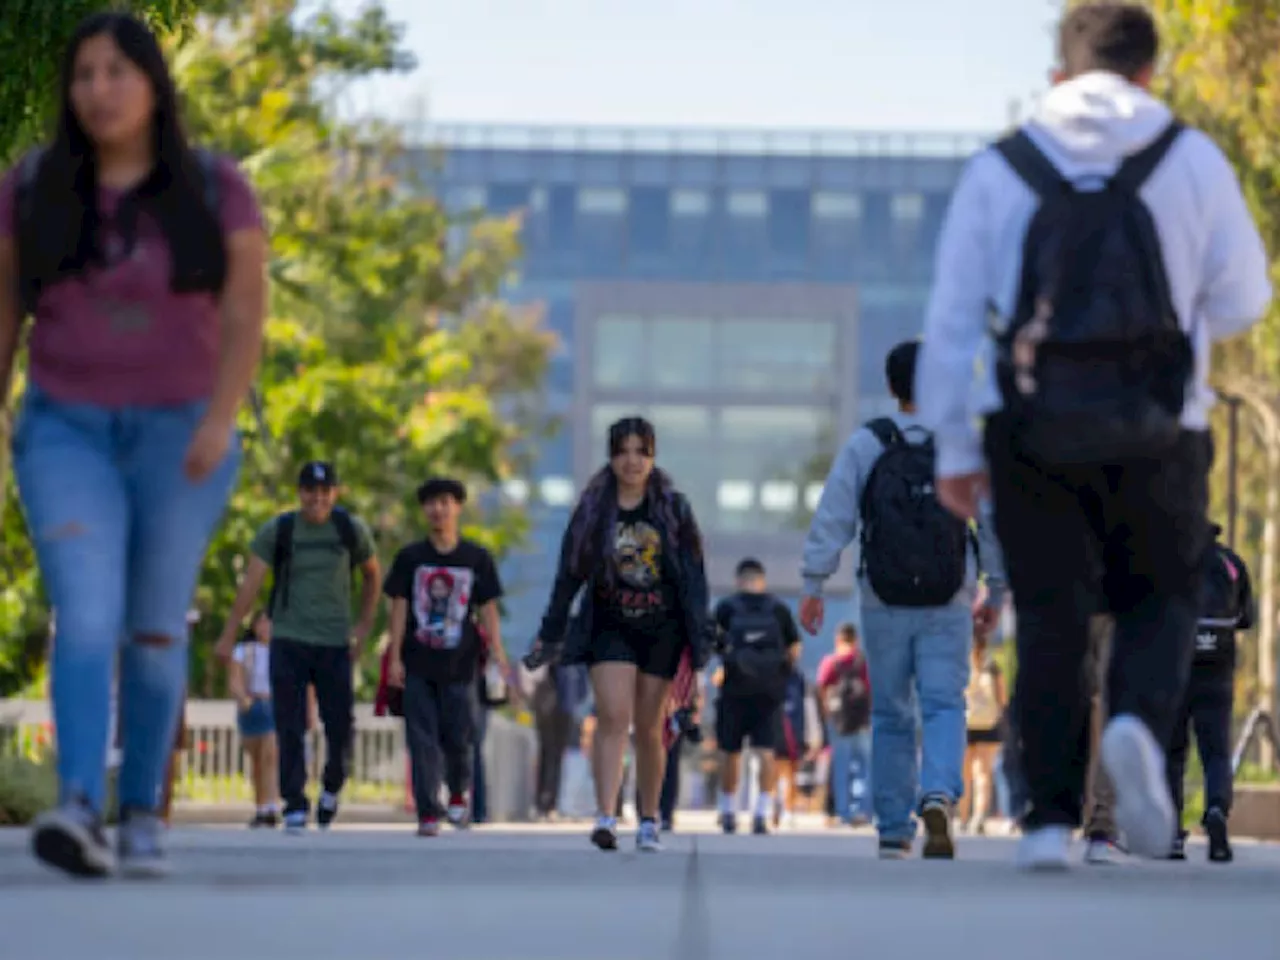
(647, 837)
(70, 838)
(140, 841)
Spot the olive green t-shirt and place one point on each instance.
(319, 599)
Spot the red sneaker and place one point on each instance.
(429, 827)
(458, 809)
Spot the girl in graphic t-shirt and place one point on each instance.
(141, 261)
(249, 682)
(634, 544)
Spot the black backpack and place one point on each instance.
(755, 658)
(25, 212)
(914, 552)
(848, 707)
(281, 560)
(1094, 366)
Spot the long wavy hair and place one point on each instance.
(65, 240)
(597, 510)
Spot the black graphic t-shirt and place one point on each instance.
(637, 596)
(443, 591)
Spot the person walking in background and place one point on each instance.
(1096, 401)
(844, 690)
(439, 587)
(249, 683)
(310, 554)
(1102, 841)
(142, 261)
(985, 703)
(634, 543)
(759, 646)
(558, 693)
(799, 741)
(918, 584)
(1226, 605)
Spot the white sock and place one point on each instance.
(764, 804)
(603, 820)
(726, 802)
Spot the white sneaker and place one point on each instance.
(1101, 853)
(1045, 849)
(1143, 809)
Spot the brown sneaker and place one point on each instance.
(936, 814)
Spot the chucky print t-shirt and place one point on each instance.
(636, 595)
(443, 592)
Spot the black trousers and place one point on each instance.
(439, 724)
(1123, 538)
(670, 795)
(1207, 708)
(554, 729)
(294, 667)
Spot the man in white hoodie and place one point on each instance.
(1160, 226)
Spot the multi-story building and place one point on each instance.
(739, 290)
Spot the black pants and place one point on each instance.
(1207, 707)
(554, 729)
(1125, 538)
(439, 724)
(670, 795)
(294, 667)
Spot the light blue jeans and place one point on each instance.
(850, 760)
(120, 534)
(919, 665)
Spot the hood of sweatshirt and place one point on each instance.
(1091, 122)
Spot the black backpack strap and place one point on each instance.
(346, 533)
(1032, 166)
(1136, 168)
(280, 562)
(208, 162)
(886, 431)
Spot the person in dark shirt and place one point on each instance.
(634, 544)
(438, 587)
(761, 646)
(1226, 605)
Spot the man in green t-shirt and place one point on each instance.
(313, 639)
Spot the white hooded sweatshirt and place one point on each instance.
(1213, 255)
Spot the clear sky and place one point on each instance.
(929, 65)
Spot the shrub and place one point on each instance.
(26, 788)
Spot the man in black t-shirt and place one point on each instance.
(438, 587)
(1226, 605)
(759, 648)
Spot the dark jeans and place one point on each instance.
(479, 782)
(671, 783)
(554, 729)
(1207, 707)
(439, 723)
(294, 667)
(1125, 538)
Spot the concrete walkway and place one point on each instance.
(539, 893)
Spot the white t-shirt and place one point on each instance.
(256, 659)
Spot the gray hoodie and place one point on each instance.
(838, 518)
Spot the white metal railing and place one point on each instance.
(212, 764)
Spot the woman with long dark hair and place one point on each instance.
(142, 263)
(634, 544)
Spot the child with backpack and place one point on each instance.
(1226, 606)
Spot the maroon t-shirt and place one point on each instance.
(119, 336)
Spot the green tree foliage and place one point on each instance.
(389, 350)
(33, 34)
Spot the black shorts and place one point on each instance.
(656, 653)
(994, 735)
(739, 719)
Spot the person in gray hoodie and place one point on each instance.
(1160, 241)
(920, 602)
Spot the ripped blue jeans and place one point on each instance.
(120, 534)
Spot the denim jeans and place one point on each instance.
(850, 761)
(918, 659)
(120, 534)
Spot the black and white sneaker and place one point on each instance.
(295, 822)
(1178, 849)
(894, 848)
(729, 823)
(70, 838)
(936, 814)
(759, 826)
(326, 810)
(605, 833)
(1215, 825)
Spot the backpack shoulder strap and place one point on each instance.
(1136, 168)
(1032, 166)
(346, 533)
(208, 161)
(886, 431)
(280, 557)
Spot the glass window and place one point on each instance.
(508, 197)
(648, 220)
(789, 222)
(684, 436)
(516, 490)
(609, 200)
(747, 203)
(771, 451)
(776, 355)
(620, 352)
(690, 203)
(556, 491)
(683, 349)
(562, 217)
(466, 199)
(837, 206)
(907, 207)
